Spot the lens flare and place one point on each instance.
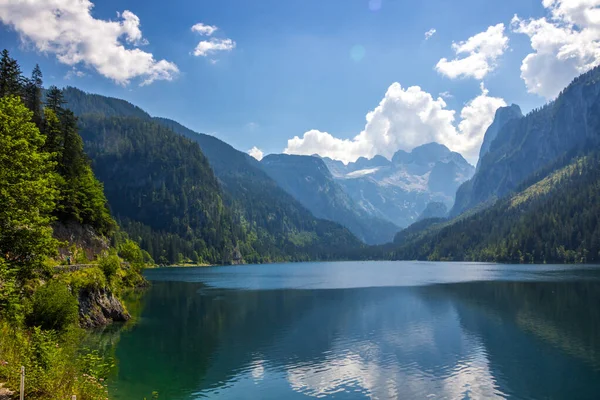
(374, 5)
(357, 53)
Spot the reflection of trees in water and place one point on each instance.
(542, 338)
(190, 337)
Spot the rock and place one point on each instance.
(5, 394)
(99, 307)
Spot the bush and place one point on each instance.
(110, 265)
(88, 279)
(53, 307)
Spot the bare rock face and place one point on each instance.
(82, 236)
(99, 308)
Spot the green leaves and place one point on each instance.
(27, 189)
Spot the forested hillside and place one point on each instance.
(47, 187)
(162, 189)
(555, 217)
(258, 218)
(524, 145)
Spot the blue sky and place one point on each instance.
(302, 65)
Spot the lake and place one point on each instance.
(362, 330)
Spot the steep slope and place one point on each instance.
(310, 182)
(268, 210)
(162, 189)
(399, 190)
(275, 225)
(524, 145)
(556, 218)
(502, 117)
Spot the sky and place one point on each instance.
(339, 78)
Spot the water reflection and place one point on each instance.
(464, 340)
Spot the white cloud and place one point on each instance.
(481, 53)
(68, 29)
(564, 46)
(430, 33)
(446, 95)
(204, 30)
(213, 45)
(405, 119)
(256, 153)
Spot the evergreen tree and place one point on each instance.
(33, 95)
(55, 100)
(11, 81)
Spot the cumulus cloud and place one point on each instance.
(256, 153)
(565, 44)
(213, 45)
(67, 29)
(204, 30)
(430, 33)
(480, 54)
(403, 120)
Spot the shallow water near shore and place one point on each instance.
(360, 330)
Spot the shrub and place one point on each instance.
(88, 279)
(110, 265)
(53, 307)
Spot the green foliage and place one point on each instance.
(87, 279)
(109, 265)
(131, 252)
(53, 307)
(11, 304)
(27, 189)
(54, 367)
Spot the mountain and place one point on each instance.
(161, 188)
(524, 145)
(553, 217)
(502, 116)
(309, 181)
(434, 209)
(399, 190)
(267, 224)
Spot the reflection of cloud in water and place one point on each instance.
(258, 370)
(384, 380)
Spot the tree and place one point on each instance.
(33, 95)
(55, 100)
(11, 81)
(27, 189)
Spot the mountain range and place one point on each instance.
(225, 206)
(400, 189)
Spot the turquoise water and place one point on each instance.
(364, 330)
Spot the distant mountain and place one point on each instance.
(267, 223)
(434, 209)
(308, 179)
(554, 216)
(522, 146)
(399, 190)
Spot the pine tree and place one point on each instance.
(33, 94)
(11, 81)
(55, 100)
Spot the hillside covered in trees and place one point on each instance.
(164, 193)
(51, 205)
(554, 217)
